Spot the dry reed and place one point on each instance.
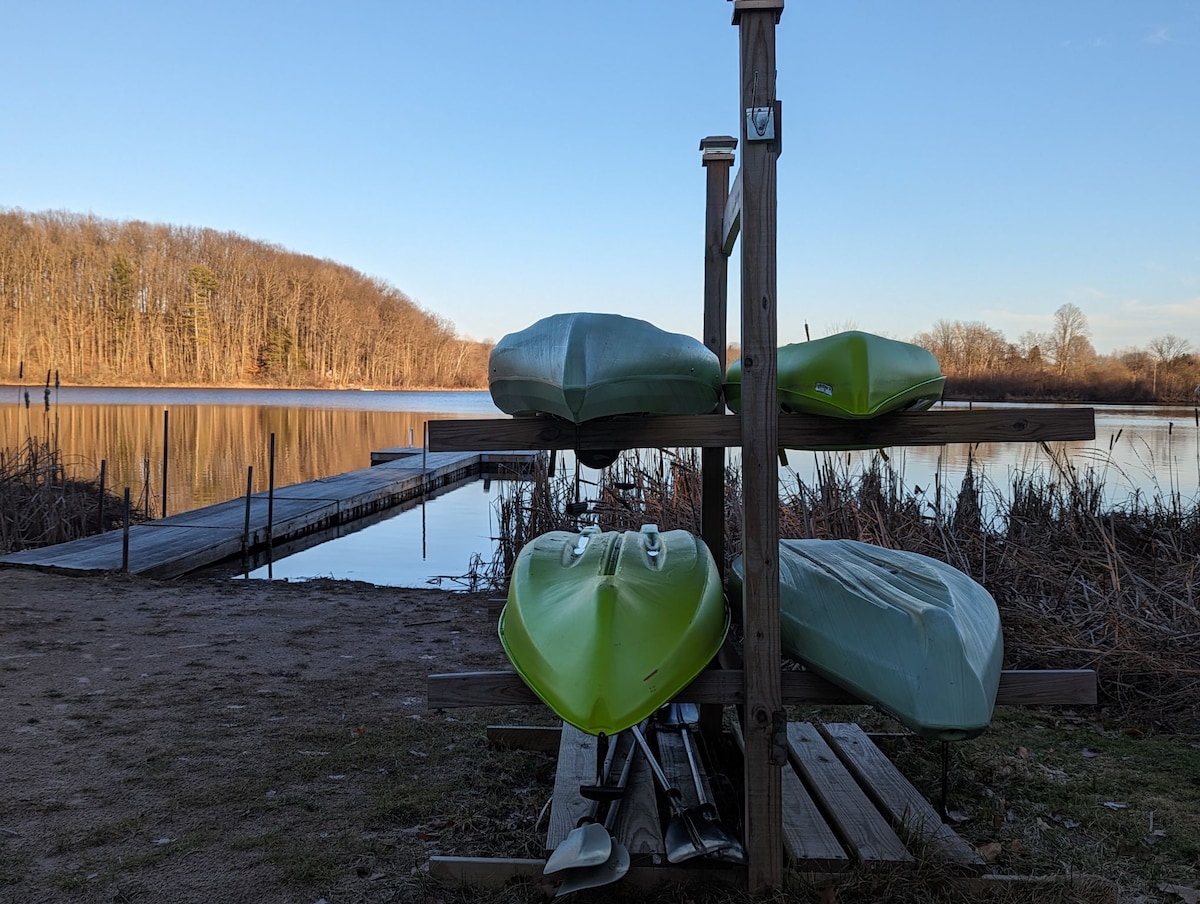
(43, 502)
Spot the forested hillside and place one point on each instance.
(123, 303)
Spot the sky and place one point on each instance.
(501, 162)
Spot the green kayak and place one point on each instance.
(905, 632)
(606, 627)
(850, 375)
(582, 366)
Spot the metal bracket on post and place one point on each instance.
(779, 750)
(760, 124)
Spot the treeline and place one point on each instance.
(106, 302)
(1060, 364)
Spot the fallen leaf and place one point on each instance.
(990, 852)
(957, 816)
(1088, 754)
(1115, 805)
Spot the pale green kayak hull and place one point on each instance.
(850, 375)
(606, 627)
(903, 631)
(583, 366)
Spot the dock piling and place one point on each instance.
(125, 537)
(246, 524)
(270, 490)
(166, 456)
(100, 501)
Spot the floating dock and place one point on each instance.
(174, 546)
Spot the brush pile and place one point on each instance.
(1080, 582)
(41, 503)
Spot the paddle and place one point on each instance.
(684, 717)
(588, 844)
(684, 838)
(616, 864)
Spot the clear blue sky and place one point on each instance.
(500, 162)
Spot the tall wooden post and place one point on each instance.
(765, 726)
(716, 157)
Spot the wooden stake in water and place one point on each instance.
(100, 501)
(125, 537)
(270, 494)
(246, 525)
(166, 451)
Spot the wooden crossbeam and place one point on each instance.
(796, 431)
(1019, 687)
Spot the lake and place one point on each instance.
(214, 435)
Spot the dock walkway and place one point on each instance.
(173, 546)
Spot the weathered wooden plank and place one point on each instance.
(485, 872)
(808, 840)
(895, 795)
(844, 803)
(639, 825)
(795, 431)
(1047, 687)
(674, 764)
(1062, 687)
(494, 872)
(576, 766)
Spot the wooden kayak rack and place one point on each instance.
(749, 212)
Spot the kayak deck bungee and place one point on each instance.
(849, 375)
(905, 632)
(582, 366)
(606, 627)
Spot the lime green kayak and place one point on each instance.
(850, 375)
(582, 366)
(606, 627)
(904, 632)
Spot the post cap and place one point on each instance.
(718, 144)
(746, 6)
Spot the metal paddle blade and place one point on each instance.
(585, 847)
(679, 715)
(612, 869)
(687, 838)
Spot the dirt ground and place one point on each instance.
(155, 736)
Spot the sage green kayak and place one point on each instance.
(606, 627)
(582, 366)
(850, 375)
(904, 632)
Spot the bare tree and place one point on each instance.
(1068, 339)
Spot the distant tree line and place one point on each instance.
(1060, 364)
(99, 301)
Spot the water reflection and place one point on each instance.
(215, 435)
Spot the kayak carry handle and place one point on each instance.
(650, 540)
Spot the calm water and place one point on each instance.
(213, 436)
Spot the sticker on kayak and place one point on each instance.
(825, 388)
